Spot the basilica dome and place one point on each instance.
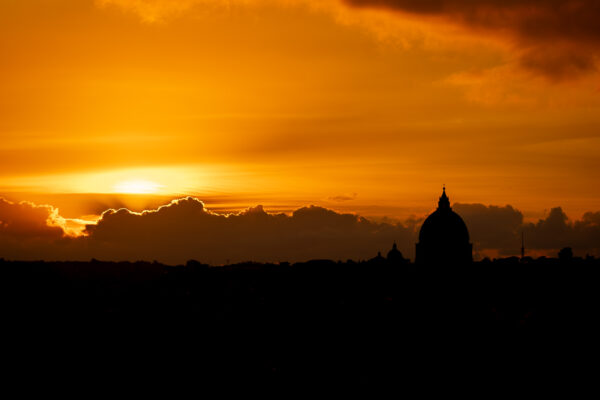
(444, 237)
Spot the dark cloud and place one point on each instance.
(185, 229)
(26, 220)
(500, 228)
(559, 38)
(492, 227)
(343, 197)
(29, 231)
(557, 231)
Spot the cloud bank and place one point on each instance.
(557, 231)
(185, 229)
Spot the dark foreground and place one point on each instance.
(452, 329)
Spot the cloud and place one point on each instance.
(498, 230)
(30, 231)
(492, 227)
(557, 231)
(557, 38)
(185, 229)
(27, 220)
(343, 197)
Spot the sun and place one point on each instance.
(137, 186)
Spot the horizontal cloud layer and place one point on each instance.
(185, 229)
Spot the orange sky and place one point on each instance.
(287, 103)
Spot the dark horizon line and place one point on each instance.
(375, 260)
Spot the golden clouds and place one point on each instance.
(557, 38)
(296, 100)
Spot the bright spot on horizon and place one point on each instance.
(138, 186)
(162, 180)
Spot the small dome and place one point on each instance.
(394, 254)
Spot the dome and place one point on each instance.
(394, 255)
(444, 225)
(444, 237)
(394, 252)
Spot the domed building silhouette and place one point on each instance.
(444, 237)
(394, 256)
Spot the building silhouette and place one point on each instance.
(394, 256)
(444, 237)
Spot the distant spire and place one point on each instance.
(522, 244)
(444, 203)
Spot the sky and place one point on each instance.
(357, 107)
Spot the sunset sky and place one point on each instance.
(361, 106)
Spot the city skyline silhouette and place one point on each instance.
(187, 229)
(393, 196)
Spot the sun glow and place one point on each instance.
(164, 180)
(137, 187)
